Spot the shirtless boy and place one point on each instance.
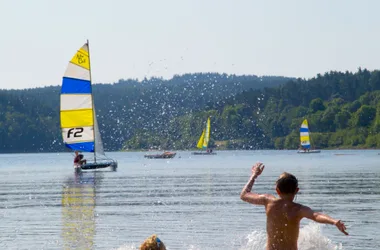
(284, 215)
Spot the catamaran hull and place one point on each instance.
(98, 165)
(202, 153)
(309, 152)
(160, 156)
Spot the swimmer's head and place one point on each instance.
(152, 243)
(287, 184)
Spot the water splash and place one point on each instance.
(127, 247)
(310, 238)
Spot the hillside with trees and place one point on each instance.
(247, 112)
(29, 119)
(342, 108)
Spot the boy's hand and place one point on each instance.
(258, 169)
(340, 225)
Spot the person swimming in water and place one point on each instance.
(152, 243)
(284, 215)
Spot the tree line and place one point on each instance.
(341, 107)
(247, 112)
(29, 118)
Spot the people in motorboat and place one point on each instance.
(78, 159)
(152, 243)
(283, 214)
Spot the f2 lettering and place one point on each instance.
(75, 132)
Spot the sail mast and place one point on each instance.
(92, 96)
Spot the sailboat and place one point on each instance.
(305, 139)
(79, 126)
(204, 140)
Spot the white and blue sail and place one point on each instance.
(304, 135)
(77, 112)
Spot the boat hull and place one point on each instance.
(203, 153)
(160, 156)
(98, 165)
(309, 152)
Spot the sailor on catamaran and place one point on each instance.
(78, 160)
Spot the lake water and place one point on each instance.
(191, 202)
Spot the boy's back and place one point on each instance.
(283, 215)
(283, 221)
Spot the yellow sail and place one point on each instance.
(201, 140)
(207, 134)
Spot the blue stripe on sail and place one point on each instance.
(82, 146)
(306, 146)
(75, 86)
(304, 130)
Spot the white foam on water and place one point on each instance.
(127, 247)
(134, 247)
(310, 238)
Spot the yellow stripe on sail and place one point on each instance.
(200, 142)
(77, 118)
(81, 58)
(305, 138)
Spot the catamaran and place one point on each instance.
(204, 140)
(164, 155)
(305, 139)
(79, 124)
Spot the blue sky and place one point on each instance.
(140, 38)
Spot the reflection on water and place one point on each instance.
(78, 210)
(190, 202)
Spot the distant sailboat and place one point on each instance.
(165, 155)
(79, 125)
(204, 140)
(305, 139)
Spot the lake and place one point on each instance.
(190, 202)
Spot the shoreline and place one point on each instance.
(191, 150)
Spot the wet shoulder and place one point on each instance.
(277, 205)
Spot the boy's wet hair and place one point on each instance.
(287, 183)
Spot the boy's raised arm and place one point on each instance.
(322, 218)
(254, 198)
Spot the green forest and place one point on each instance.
(341, 107)
(247, 112)
(29, 118)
